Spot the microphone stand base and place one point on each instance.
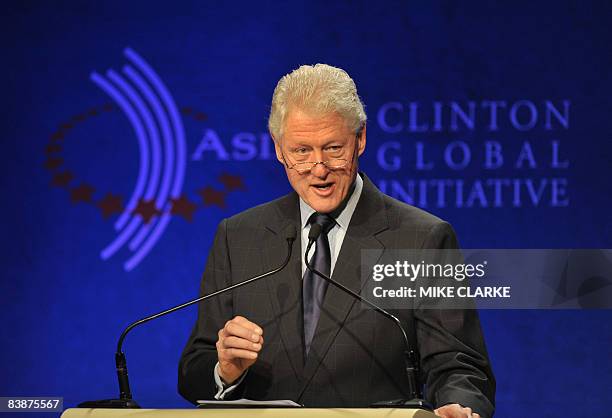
(110, 403)
(404, 403)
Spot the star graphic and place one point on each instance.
(184, 207)
(51, 148)
(110, 204)
(62, 179)
(82, 193)
(53, 163)
(232, 182)
(211, 196)
(146, 209)
(56, 136)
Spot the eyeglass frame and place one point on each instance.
(315, 163)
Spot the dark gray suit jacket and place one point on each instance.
(356, 354)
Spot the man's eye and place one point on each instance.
(300, 150)
(334, 148)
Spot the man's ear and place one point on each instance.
(277, 149)
(361, 142)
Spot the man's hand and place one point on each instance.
(454, 410)
(239, 342)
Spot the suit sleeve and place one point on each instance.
(196, 367)
(453, 354)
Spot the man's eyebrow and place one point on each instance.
(300, 143)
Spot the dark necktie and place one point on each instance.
(313, 286)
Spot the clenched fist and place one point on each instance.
(239, 343)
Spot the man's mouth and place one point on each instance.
(323, 189)
(323, 186)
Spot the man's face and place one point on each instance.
(309, 138)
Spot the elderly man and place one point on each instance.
(291, 336)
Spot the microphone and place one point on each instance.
(410, 357)
(125, 395)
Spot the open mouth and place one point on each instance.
(323, 189)
(323, 186)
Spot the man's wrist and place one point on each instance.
(224, 380)
(223, 388)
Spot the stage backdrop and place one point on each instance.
(130, 131)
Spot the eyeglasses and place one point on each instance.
(306, 166)
(332, 164)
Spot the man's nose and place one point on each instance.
(317, 155)
(320, 170)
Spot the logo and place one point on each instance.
(139, 93)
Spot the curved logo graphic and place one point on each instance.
(161, 141)
(140, 94)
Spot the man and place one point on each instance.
(291, 336)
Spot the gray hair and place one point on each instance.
(321, 89)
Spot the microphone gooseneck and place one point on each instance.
(410, 357)
(125, 395)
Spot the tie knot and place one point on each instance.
(323, 219)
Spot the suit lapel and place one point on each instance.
(285, 290)
(368, 219)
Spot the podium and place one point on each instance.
(251, 412)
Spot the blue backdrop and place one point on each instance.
(131, 130)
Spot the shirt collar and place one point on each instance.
(345, 216)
